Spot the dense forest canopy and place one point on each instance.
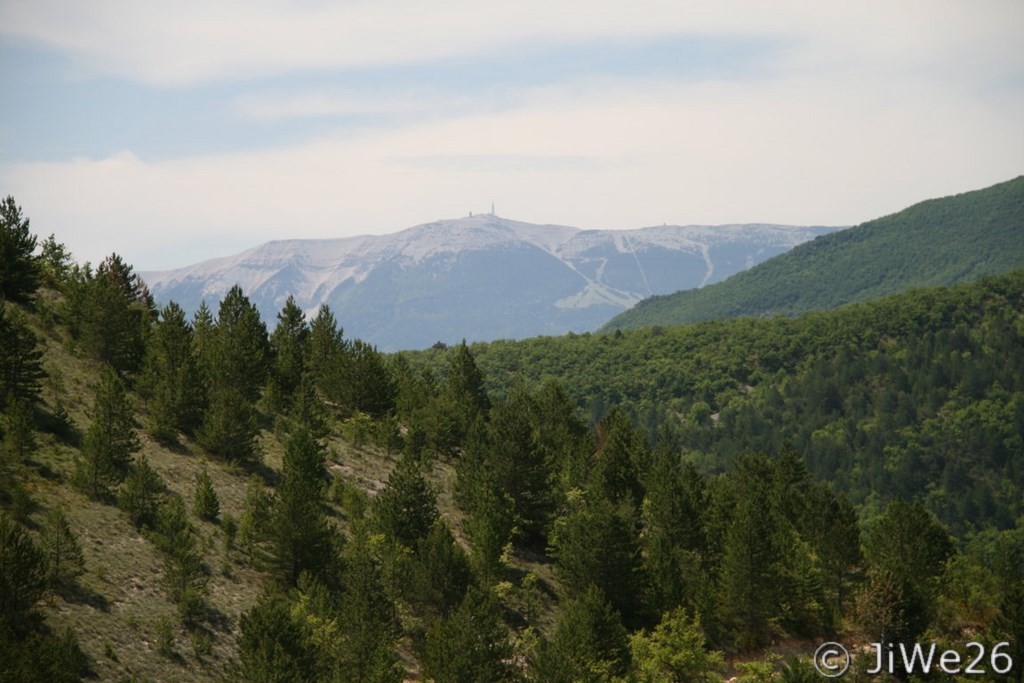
(232, 498)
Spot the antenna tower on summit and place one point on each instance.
(492, 209)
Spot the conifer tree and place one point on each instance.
(471, 644)
(441, 573)
(19, 277)
(407, 507)
(140, 494)
(64, 559)
(324, 345)
(588, 645)
(622, 456)
(674, 529)
(254, 524)
(18, 431)
(20, 358)
(205, 504)
(184, 576)
(110, 440)
(22, 574)
(273, 646)
(367, 621)
(287, 344)
(749, 573)
(110, 313)
(229, 429)
(238, 359)
(172, 376)
(594, 543)
(464, 390)
(301, 539)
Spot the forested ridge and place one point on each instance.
(224, 497)
(936, 242)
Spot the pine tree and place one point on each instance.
(55, 261)
(22, 574)
(273, 646)
(464, 389)
(20, 358)
(287, 343)
(441, 573)
(140, 494)
(184, 577)
(471, 644)
(64, 559)
(588, 645)
(300, 536)
(254, 524)
(172, 375)
(110, 313)
(367, 622)
(19, 277)
(749, 574)
(238, 359)
(674, 529)
(324, 345)
(18, 435)
(110, 441)
(407, 507)
(622, 456)
(205, 504)
(908, 545)
(595, 545)
(229, 429)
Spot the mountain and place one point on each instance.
(937, 242)
(481, 277)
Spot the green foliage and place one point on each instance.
(55, 261)
(61, 550)
(185, 574)
(407, 507)
(110, 440)
(287, 345)
(301, 540)
(109, 313)
(674, 652)
(22, 574)
(141, 493)
(274, 646)
(595, 545)
(19, 277)
(18, 432)
(205, 504)
(20, 357)
(172, 377)
(937, 242)
(589, 643)
(367, 622)
(471, 644)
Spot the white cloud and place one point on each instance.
(197, 40)
(618, 154)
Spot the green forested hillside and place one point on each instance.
(937, 242)
(918, 394)
(225, 499)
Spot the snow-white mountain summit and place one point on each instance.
(478, 278)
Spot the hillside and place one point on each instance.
(884, 396)
(937, 242)
(479, 278)
(221, 500)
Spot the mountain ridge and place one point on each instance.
(477, 277)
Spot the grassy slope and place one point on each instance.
(119, 604)
(937, 242)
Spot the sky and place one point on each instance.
(176, 132)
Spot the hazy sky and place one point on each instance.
(176, 131)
